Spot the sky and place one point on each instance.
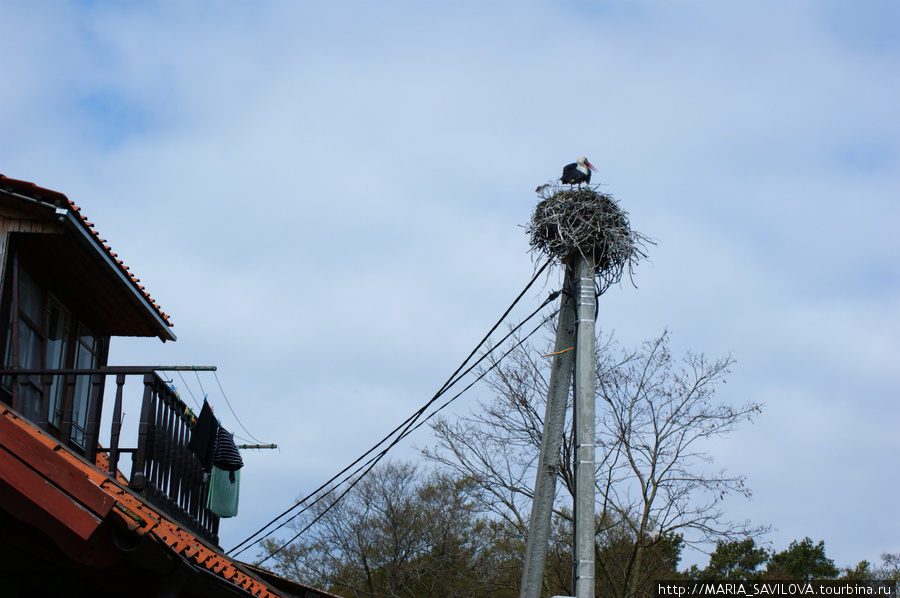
(329, 200)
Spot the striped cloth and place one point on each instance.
(226, 455)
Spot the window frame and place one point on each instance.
(69, 397)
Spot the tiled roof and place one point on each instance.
(69, 488)
(30, 190)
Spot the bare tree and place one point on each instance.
(395, 533)
(653, 483)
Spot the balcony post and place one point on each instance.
(95, 409)
(116, 430)
(66, 427)
(46, 384)
(138, 474)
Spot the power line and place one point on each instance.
(374, 461)
(496, 363)
(410, 426)
(453, 379)
(409, 430)
(450, 381)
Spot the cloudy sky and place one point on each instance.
(328, 198)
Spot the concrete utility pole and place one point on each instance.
(590, 234)
(551, 440)
(584, 424)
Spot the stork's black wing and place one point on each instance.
(572, 176)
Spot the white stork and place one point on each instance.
(577, 172)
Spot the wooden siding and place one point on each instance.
(9, 225)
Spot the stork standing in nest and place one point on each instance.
(578, 172)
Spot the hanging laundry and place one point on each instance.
(203, 436)
(226, 455)
(224, 491)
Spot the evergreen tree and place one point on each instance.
(738, 559)
(802, 561)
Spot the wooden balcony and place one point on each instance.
(163, 470)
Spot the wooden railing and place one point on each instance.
(164, 471)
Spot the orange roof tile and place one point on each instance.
(101, 497)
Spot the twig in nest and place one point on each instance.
(568, 222)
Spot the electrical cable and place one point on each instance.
(409, 430)
(450, 381)
(252, 539)
(493, 365)
(374, 461)
(409, 421)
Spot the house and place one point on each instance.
(71, 523)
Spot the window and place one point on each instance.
(59, 331)
(30, 344)
(87, 356)
(50, 336)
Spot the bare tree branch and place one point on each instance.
(653, 476)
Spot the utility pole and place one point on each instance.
(584, 424)
(551, 440)
(575, 330)
(590, 234)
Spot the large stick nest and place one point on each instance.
(572, 221)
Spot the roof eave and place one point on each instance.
(74, 223)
